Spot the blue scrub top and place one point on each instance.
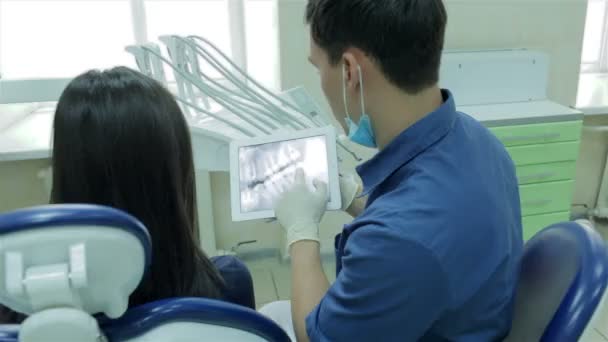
(434, 256)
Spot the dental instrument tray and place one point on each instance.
(261, 168)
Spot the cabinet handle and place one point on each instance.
(517, 138)
(538, 203)
(537, 177)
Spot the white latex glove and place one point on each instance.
(299, 210)
(349, 190)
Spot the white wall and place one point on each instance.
(20, 186)
(553, 26)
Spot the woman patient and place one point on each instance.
(121, 140)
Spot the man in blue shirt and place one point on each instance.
(433, 252)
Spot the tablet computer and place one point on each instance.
(262, 168)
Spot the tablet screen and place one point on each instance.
(266, 170)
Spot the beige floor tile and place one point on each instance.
(602, 323)
(602, 228)
(282, 279)
(593, 335)
(272, 277)
(263, 285)
(601, 326)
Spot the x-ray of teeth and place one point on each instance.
(268, 170)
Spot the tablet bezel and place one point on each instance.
(332, 164)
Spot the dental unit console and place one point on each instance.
(223, 104)
(264, 167)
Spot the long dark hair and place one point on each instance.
(121, 140)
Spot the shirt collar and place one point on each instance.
(408, 144)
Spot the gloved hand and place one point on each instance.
(349, 190)
(299, 210)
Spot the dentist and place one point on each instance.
(432, 253)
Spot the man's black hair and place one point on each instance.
(404, 37)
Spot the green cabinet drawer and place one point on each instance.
(550, 172)
(539, 133)
(544, 153)
(535, 223)
(545, 197)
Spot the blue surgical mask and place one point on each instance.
(362, 132)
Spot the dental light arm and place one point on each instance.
(178, 70)
(236, 100)
(280, 116)
(141, 59)
(193, 81)
(142, 50)
(181, 49)
(240, 95)
(244, 86)
(236, 81)
(146, 63)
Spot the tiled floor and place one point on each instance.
(272, 282)
(601, 326)
(272, 277)
(602, 228)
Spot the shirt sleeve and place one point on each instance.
(388, 288)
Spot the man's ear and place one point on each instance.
(351, 70)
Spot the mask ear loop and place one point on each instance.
(361, 90)
(344, 92)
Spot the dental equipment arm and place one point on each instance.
(206, 84)
(178, 59)
(237, 82)
(189, 105)
(218, 118)
(282, 117)
(251, 102)
(141, 59)
(234, 104)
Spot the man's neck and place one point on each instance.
(394, 111)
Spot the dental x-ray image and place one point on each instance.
(269, 169)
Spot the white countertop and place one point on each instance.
(28, 136)
(520, 113)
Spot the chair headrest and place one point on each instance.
(573, 251)
(138, 321)
(9, 333)
(75, 215)
(84, 256)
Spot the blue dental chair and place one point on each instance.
(562, 285)
(71, 269)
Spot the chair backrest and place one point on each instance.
(60, 264)
(85, 257)
(563, 280)
(182, 319)
(9, 333)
